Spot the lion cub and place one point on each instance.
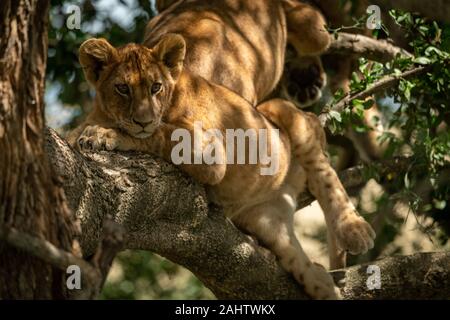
(144, 96)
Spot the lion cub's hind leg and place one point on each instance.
(272, 224)
(352, 233)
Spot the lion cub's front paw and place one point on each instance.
(354, 234)
(98, 138)
(319, 284)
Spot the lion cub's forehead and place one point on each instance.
(138, 64)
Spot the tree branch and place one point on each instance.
(164, 211)
(372, 49)
(381, 85)
(46, 251)
(93, 274)
(419, 276)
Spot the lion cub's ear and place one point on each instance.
(94, 55)
(171, 50)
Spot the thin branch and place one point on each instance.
(93, 275)
(46, 251)
(381, 85)
(113, 237)
(360, 45)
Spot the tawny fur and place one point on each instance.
(241, 44)
(262, 205)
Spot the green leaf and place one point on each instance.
(422, 60)
(335, 115)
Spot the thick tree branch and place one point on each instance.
(164, 211)
(372, 49)
(419, 276)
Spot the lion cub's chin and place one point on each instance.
(142, 135)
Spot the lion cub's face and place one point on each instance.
(134, 84)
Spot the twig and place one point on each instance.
(435, 10)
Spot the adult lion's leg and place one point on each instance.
(306, 28)
(303, 80)
(272, 224)
(304, 76)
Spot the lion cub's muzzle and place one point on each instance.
(143, 130)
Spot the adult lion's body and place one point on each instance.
(240, 44)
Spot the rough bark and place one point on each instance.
(419, 276)
(164, 211)
(31, 198)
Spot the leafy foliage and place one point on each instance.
(143, 275)
(417, 118)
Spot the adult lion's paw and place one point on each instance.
(98, 138)
(354, 234)
(303, 80)
(319, 284)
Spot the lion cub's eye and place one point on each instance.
(123, 89)
(156, 87)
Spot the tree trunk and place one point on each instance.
(31, 198)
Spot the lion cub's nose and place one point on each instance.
(142, 123)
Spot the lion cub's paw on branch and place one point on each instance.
(97, 138)
(304, 77)
(354, 234)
